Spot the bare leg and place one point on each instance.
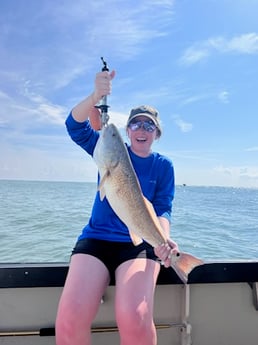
(135, 286)
(86, 282)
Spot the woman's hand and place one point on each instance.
(86, 108)
(103, 85)
(166, 250)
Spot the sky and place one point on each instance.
(195, 61)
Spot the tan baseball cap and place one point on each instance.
(149, 112)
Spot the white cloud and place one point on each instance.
(193, 55)
(32, 164)
(183, 125)
(61, 43)
(52, 113)
(3, 96)
(196, 98)
(223, 96)
(245, 176)
(68, 38)
(243, 44)
(31, 110)
(252, 149)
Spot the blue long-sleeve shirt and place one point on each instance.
(156, 177)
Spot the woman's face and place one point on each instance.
(141, 135)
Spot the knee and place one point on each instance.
(69, 325)
(65, 326)
(135, 322)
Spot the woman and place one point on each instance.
(104, 249)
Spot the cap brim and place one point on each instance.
(152, 118)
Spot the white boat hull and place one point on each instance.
(218, 306)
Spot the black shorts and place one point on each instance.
(112, 254)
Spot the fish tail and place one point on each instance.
(183, 264)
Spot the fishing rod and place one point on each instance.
(103, 106)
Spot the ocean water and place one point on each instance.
(40, 221)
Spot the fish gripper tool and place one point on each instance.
(103, 106)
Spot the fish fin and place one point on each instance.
(135, 239)
(101, 187)
(183, 264)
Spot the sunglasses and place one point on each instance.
(148, 126)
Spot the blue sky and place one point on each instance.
(195, 61)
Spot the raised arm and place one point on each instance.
(86, 108)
